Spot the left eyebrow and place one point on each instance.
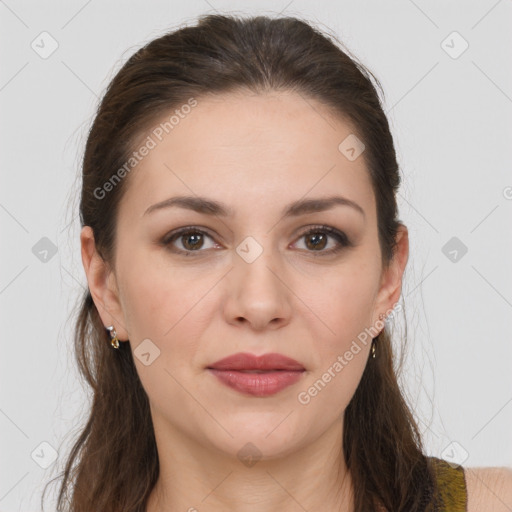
(211, 207)
(303, 206)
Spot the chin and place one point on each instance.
(255, 438)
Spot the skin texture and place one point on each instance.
(489, 489)
(256, 154)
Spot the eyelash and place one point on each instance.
(342, 239)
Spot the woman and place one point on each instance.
(242, 250)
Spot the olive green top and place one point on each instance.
(451, 494)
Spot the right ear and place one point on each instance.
(102, 284)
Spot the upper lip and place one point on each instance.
(246, 361)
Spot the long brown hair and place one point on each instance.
(113, 464)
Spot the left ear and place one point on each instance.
(391, 280)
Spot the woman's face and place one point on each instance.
(251, 280)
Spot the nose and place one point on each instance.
(257, 293)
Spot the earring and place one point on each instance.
(113, 335)
(373, 348)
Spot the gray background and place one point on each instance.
(450, 116)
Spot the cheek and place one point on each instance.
(343, 340)
(345, 306)
(146, 300)
(168, 306)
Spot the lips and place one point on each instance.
(244, 361)
(259, 376)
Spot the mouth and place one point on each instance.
(256, 371)
(257, 375)
(257, 383)
(244, 361)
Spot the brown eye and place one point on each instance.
(192, 240)
(317, 239)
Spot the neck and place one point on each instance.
(194, 478)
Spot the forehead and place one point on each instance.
(249, 150)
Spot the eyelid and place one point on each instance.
(340, 236)
(343, 240)
(323, 227)
(175, 234)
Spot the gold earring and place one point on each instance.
(113, 335)
(373, 348)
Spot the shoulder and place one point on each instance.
(489, 489)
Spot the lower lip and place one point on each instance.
(257, 384)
